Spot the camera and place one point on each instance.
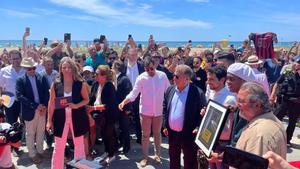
(13, 133)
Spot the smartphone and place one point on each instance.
(102, 37)
(67, 36)
(45, 41)
(140, 46)
(129, 36)
(241, 159)
(27, 29)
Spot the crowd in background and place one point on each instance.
(158, 90)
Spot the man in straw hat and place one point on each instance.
(32, 92)
(261, 77)
(57, 53)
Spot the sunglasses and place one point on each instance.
(196, 63)
(31, 68)
(100, 74)
(149, 69)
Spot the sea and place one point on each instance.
(171, 44)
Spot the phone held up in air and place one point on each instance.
(67, 36)
(102, 37)
(45, 41)
(27, 29)
(241, 159)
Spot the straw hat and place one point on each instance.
(253, 60)
(54, 43)
(28, 62)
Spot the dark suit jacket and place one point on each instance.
(24, 94)
(123, 88)
(140, 66)
(165, 70)
(108, 97)
(194, 103)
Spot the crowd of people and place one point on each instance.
(161, 91)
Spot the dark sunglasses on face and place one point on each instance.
(100, 74)
(31, 68)
(149, 69)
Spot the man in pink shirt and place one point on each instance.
(152, 85)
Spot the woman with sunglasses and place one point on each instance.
(104, 108)
(66, 111)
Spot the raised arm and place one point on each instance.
(24, 45)
(69, 49)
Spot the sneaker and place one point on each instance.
(108, 160)
(157, 159)
(36, 159)
(143, 162)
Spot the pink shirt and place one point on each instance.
(152, 91)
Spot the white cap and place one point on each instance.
(88, 68)
(242, 71)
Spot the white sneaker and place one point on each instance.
(108, 160)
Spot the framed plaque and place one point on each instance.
(211, 126)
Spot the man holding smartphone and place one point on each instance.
(57, 53)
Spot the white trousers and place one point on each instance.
(60, 144)
(35, 133)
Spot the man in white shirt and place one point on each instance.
(133, 68)
(151, 85)
(8, 78)
(216, 78)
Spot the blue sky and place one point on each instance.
(167, 20)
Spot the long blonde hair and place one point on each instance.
(110, 74)
(75, 72)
